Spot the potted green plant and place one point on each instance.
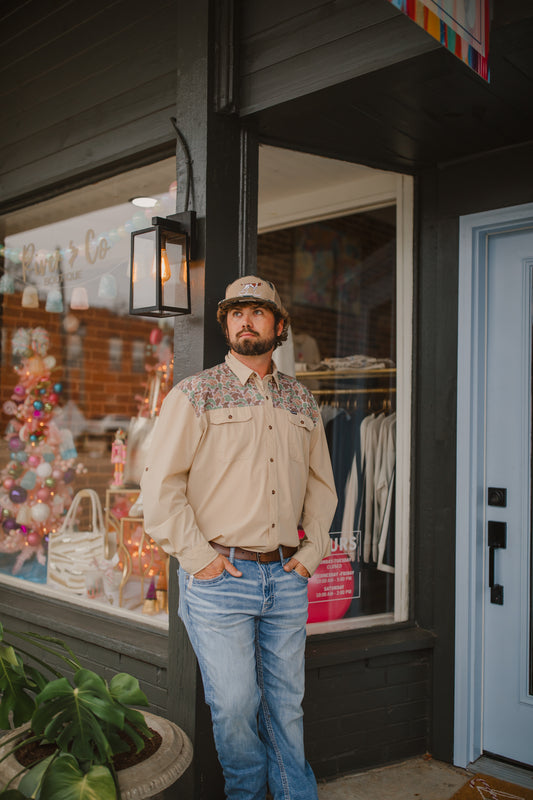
(85, 723)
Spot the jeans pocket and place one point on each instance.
(208, 581)
(301, 578)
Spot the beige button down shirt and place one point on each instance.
(241, 461)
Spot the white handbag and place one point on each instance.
(72, 552)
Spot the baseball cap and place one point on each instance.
(252, 289)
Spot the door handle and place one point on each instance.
(497, 540)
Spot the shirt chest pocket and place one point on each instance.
(300, 428)
(231, 433)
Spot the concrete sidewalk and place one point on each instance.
(416, 779)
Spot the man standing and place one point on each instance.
(238, 460)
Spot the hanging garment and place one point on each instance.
(385, 461)
(369, 446)
(386, 543)
(342, 435)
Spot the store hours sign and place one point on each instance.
(337, 581)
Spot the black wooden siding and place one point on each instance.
(404, 114)
(289, 49)
(103, 643)
(84, 90)
(489, 181)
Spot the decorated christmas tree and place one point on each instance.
(36, 484)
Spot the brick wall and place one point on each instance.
(367, 712)
(95, 381)
(369, 328)
(102, 644)
(97, 385)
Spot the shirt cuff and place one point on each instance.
(309, 558)
(195, 560)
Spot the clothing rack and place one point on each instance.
(347, 373)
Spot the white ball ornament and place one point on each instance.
(44, 470)
(40, 512)
(49, 362)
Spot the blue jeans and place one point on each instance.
(249, 637)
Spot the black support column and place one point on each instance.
(224, 196)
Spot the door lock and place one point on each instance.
(497, 540)
(497, 497)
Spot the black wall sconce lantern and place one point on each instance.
(159, 268)
(161, 255)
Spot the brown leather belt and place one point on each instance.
(251, 555)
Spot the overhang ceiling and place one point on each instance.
(421, 112)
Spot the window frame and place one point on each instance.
(376, 189)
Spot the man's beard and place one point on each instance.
(255, 346)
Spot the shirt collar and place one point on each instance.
(243, 372)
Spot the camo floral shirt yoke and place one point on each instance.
(240, 460)
(220, 387)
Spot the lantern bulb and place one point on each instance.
(165, 266)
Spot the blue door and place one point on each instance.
(505, 504)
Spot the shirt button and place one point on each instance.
(272, 460)
(270, 427)
(273, 491)
(230, 416)
(302, 422)
(273, 524)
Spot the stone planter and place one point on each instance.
(144, 780)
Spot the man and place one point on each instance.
(239, 458)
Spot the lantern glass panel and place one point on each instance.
(175, 291)
(143, 266)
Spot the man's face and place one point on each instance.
(252, 329)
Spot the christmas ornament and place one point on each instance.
(24, 516)
(40, 341)
(18, 494)
(71, 323)
(44, 469)
(35, 365)
(69, 475)
(28, 480)
(40, 512)
(156, 334)
(15, 444)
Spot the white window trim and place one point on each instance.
(351, 197)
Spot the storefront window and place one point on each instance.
(338, 278)
(78, 376)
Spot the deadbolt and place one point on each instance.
(497, 497)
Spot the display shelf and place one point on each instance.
(118, 503)
(347, 373)
(142, 559)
